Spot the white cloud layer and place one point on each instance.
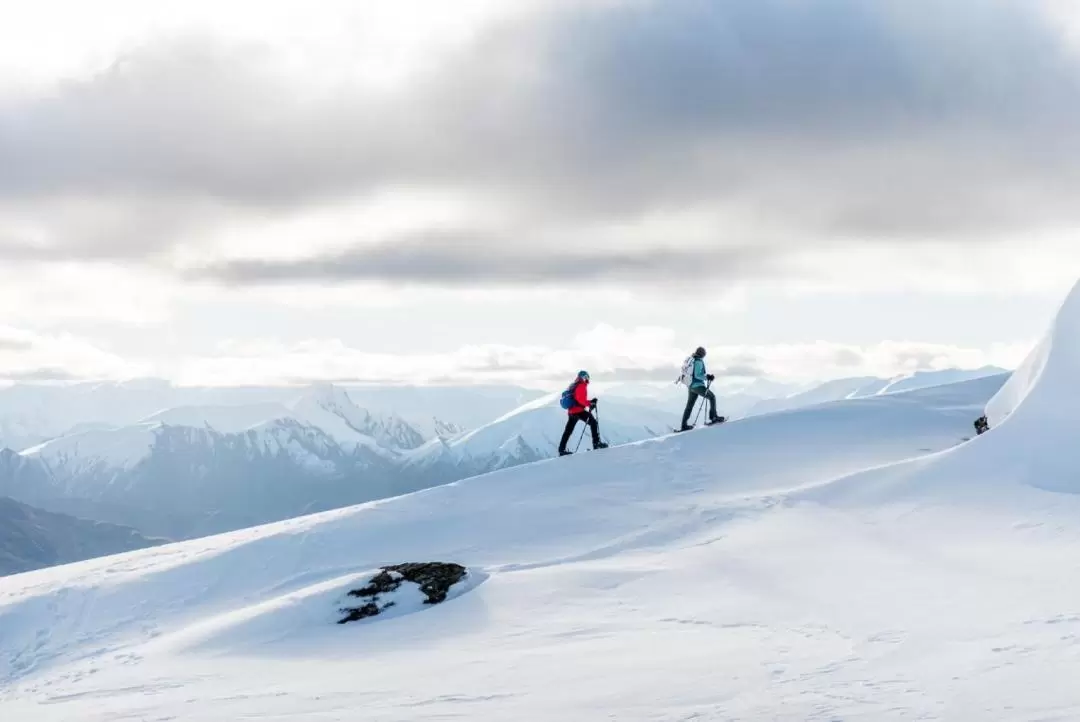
(26, 356)
(610, 354)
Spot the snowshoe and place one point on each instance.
(601, 445)
(685, 427)
(717, 420)
(564, 452)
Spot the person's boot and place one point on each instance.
(564, 452)
(685, 427)
(717, 420)
(599, 445)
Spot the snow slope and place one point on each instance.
(669, 579)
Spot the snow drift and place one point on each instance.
(1033, 426)
(1039, 387)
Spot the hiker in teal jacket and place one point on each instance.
(698, 387)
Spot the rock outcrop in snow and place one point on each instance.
(433, 580)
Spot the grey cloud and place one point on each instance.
(917, 358)
(39, 374)
(746, 371)
(670, 373)
(638, 374)
(846, 358)
(15, 344)
(302, 381)
(452, 259)
(865, 122)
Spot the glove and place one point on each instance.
(592, 403)
(709, 377)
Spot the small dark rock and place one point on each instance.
(434, 579)
(354, 614)
(381, 583)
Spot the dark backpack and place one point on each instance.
(567, 399)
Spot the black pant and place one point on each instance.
(571, 422)
(691, 399)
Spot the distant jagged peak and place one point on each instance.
(388, 431)
(447, 429)
(327, 395)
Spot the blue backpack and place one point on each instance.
(567, 399)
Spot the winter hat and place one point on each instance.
(700, 353)
(583, 375)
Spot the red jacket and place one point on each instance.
(581, 398)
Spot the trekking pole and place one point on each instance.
(703, 402)
(597, 411)
(584, 428)
(580, 438)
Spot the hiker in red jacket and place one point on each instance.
(581, 411)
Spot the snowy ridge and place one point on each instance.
(330, 408)
(226, 419)
(98, 450)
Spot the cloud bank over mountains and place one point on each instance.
(619, 142)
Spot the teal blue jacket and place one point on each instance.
(698, 379)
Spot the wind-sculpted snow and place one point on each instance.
(1044, 387)
(1030, 445)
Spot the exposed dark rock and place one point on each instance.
(433, 578)
(982, 425)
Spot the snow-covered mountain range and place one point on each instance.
(251, 456)
(33, 413)
(867, 558)
(196, 470)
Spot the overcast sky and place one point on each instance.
(228, 192)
